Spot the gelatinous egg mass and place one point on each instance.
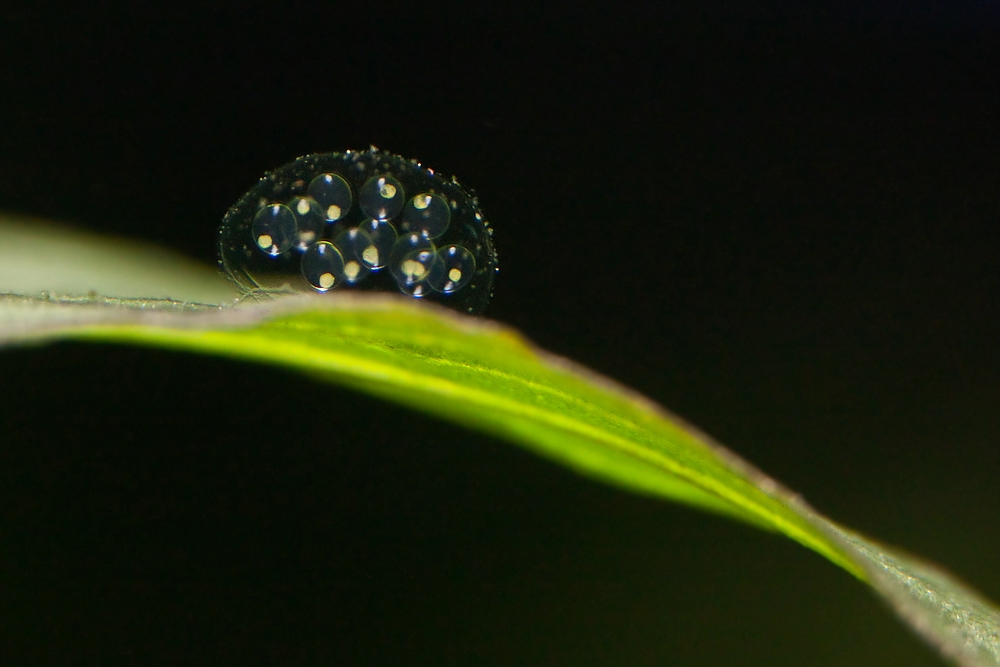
(360, 220)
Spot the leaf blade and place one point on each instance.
(398, 351)
(488, 378)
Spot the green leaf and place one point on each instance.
(487, 377)
(41, 256)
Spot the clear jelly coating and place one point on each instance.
(360, 220)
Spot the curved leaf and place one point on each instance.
(487, 377)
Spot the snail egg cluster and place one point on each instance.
(365, 220)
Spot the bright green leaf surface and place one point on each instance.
(487, 377)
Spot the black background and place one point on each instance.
(780, 223)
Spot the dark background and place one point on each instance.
(779, 223)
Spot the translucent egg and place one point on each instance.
(453, 270)
(354, 244)
(382, 237)
(275, 229)
(411, 262)
(426, 213)
(308, 219)
(414, 267)
(403, 250)
(382, 197)
(349, 219)
(332, 194)
(323, 266)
